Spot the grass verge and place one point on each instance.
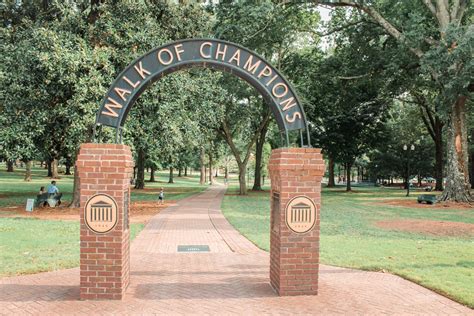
(350, 238)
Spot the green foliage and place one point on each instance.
(389, 159)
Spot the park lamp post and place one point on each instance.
(407, 157)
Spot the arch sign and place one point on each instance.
(207, 53)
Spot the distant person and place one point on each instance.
(161, 197)
(52, 188)
(42, 191)
(53, 192)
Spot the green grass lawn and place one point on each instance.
(34, 245)
(349, 237)
(15, 191)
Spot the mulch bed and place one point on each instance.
(433, 228)
(140, 212)
(414, 204)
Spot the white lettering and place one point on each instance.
(266, 71)
(275, 88)
(201, 50)
(288, 103)
(235, 57)
(110, 107)
(133, 85)
(293, 118)
(141, 71)
(170, 56)
(249, 67)
(122, 92)
(271, 80)
(178, 51)
(220, 52)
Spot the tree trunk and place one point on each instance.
(348, 177)
(242, 180)
(202, 178)
(226, 174)
(472, 169)
(54, 169)
(185, 171)
(28, 171)
(171, 179)
(76, 197)
(68, 167)
(50, 172)
(257, 181)
(257, 184)
(439, 162)
(242, 163)
(152, 174)
(331, 183)
(10, 166)
(457, 171)
(180, 172)
(140, 181)
(211, 178)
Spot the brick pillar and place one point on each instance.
(296, 175)
(105, 257)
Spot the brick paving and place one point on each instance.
(231, 279)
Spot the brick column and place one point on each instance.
(296, 175)
(105, 257)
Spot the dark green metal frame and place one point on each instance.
(191, 59)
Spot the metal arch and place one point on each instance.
(190, 58)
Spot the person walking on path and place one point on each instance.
(161, 197)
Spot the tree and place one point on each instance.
(440, 44)
(48, 87)
(245, 117)
(271, 29)
(388, 158)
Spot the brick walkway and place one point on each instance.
(231, 279)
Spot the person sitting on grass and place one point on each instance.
(161, 197)
(53, 192)
(52, 188)
(42, 191)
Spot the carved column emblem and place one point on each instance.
(101, 213)
(300, 214)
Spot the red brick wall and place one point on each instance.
(294, 258)
(105, 258)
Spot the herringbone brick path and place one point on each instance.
(231, 279)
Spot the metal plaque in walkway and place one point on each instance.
(193, 248)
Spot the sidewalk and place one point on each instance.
(230, 279)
